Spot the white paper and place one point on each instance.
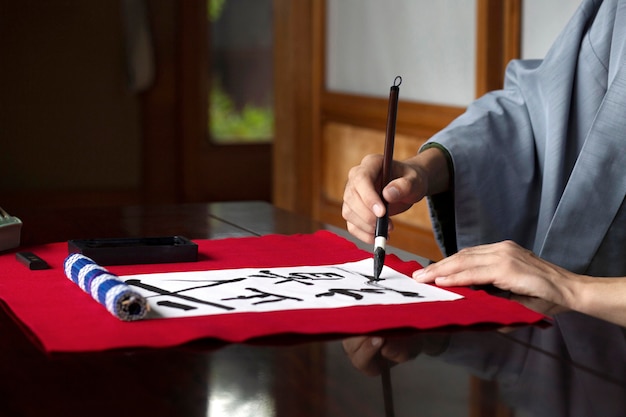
(200, 293)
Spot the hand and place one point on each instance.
(505, 265)
(362, 203)
(367, 352)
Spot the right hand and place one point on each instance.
(362, 203)
(368, 354)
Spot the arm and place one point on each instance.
(424, 174)
(513, 268)
(601, 297)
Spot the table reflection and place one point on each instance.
(575, 367)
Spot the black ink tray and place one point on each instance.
(130, 251)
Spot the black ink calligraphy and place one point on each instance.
(270, 289)
(172, 304)
(357, 294)
(268, 297)
(137, 283)
(305, 278)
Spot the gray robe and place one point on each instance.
(543, 161)
(575, 369)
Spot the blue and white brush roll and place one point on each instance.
(106, 288)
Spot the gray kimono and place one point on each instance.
(543, 161)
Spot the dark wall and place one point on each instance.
(68, 120)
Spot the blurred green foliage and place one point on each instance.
(214, 9)
(228, 125)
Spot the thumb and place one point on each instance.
(391, 193)
(404, 190)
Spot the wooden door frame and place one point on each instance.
(209, 171)
(298, 72)
(498, 25)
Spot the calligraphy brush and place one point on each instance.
(382, 223)
(385, 376)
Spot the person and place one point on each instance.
(526, 188)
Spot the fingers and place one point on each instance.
(363, 353)
(453, 270)
(366, 352)
(484, 264)
(456, 277)
(361, 202)
(406, 189)
(399, 350)
(360, 223)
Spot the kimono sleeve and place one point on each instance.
(492, 150)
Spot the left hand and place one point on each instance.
(506, 265)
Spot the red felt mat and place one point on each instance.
(61, 318)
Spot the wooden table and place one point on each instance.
(577, 366)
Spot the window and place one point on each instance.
(241, 79)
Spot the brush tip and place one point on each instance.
(379, 261)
